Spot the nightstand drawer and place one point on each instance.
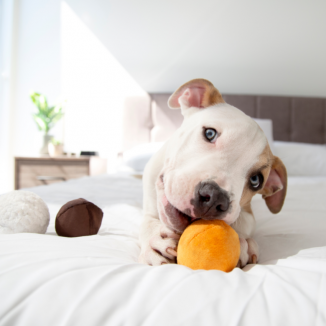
(35, 172)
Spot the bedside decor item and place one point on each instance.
(55, 148)
(45, 147)
(45, 118)
(88, 153)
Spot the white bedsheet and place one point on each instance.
(96, 280)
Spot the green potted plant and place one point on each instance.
(45, 117)
(55, 148)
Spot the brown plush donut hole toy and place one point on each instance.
(78, 218)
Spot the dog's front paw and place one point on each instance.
(249, 252)
(162, 248)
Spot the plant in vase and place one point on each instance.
(55, 148)
(45, 117)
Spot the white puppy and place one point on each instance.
(210, 168)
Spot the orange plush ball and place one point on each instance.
(209, 245)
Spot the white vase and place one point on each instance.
(46, 139)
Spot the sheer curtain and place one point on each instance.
(7, 20)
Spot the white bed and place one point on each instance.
(96, 280)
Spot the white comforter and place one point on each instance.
(96, 280)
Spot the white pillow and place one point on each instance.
(267, 126)
(302, 159)
(137, 157)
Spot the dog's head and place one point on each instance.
(215, 162)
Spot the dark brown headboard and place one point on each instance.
(297, 119)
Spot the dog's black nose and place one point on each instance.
(211, 201)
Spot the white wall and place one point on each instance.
(95, 85)
(253, 46)
(38, 67)
(30, 60)
(259, 47)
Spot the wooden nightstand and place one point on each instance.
(36, 171)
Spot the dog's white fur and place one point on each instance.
(187, 159)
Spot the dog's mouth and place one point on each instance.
(172, 216)
(178, 219)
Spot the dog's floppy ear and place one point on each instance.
(274, 191)
(198, 93)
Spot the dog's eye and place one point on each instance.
(256, 181)
(210, 134)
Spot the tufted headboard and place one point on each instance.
(299, 119)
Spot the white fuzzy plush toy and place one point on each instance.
(23, 211)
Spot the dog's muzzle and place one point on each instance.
(210, 202)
